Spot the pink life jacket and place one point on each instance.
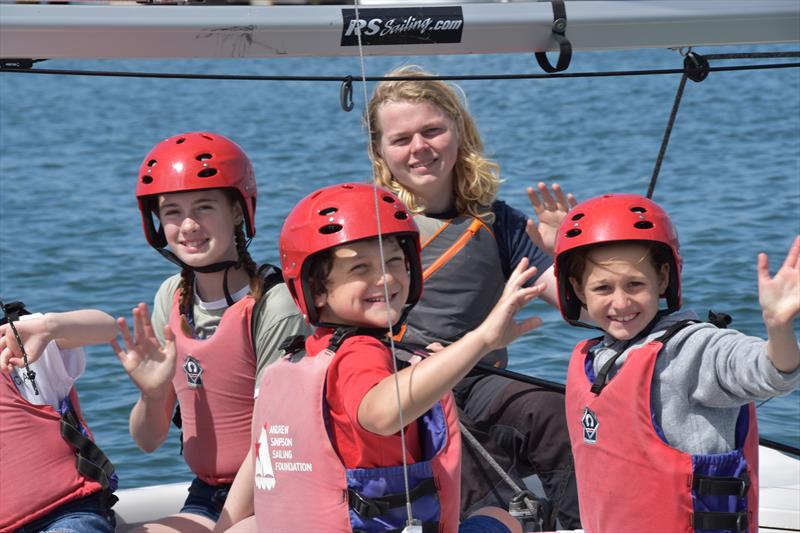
(300, 482)
(215, 381)
(39, 471)
(630, 479)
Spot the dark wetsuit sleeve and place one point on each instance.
(513, 242)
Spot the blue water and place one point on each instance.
(70, 233)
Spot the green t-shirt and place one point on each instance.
(278, 319)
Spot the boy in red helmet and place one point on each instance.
(337, 429)
(220, 320)
(659, 409)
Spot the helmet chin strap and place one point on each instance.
(208, 269)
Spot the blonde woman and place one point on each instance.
(426, 148)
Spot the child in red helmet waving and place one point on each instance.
(336, 456)
(220, 320)
(659, 408)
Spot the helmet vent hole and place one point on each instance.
(207, 172)
(388, 199)
(401, 215)
(207, 137)
(328, 211)
(643, 224)
(152, 163)
(181, 140)
(147, 180)
(204, 157)
(330, 228)
(638, 210)
(574, 232)
(577, 216)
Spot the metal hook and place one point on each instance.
(346, 94)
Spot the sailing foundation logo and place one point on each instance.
(413, 25)
(275, 452)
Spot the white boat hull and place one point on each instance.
(779, 479)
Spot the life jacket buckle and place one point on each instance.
(365, 507)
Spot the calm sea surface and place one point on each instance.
(70, 233)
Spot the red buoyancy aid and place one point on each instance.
(214, 382)
(38, 466)
(629, 479)
(300, 482)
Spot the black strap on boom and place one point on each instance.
(559, 34)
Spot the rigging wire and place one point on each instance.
(342, 79)
(347, 90)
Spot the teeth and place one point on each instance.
(626, 318)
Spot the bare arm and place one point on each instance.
(779, 297)
(239, 504)
(151, 367)
(423, 384)
(70, 329)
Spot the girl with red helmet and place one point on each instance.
(659, 408)
(426, 148)
(220, 320)
(355, 276)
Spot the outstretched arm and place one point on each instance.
(150, 367)
(550, 210)
(779, 297)
(69, 329)
(423, 384)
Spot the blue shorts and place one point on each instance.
(482, 524)
(205, 500)
(85, 515)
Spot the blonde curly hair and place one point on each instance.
(476, 178)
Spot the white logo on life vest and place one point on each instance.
(265, 477)
(274, 453)
(590, 425)
(194, 372)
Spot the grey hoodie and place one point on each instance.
(701, 379)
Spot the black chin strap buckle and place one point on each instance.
(559, 30)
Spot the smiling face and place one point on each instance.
(354, 289)
(419, 143)
(199, 225)
(620, 287)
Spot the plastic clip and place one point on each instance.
(346, 94)
(696, 67)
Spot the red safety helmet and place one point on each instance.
(189, 162)
(337, 215)
(611, 218)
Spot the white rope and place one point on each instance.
(410, 520)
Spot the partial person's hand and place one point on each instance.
(500, 328)
(550, 210)
(779, 296)
(149, 365)
(35, 337)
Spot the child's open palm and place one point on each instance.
(149, 365)
(779, 296)
(500, 328)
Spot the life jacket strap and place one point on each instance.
(380, 505)
(724, 521)
(721, 486)
(90, 460)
